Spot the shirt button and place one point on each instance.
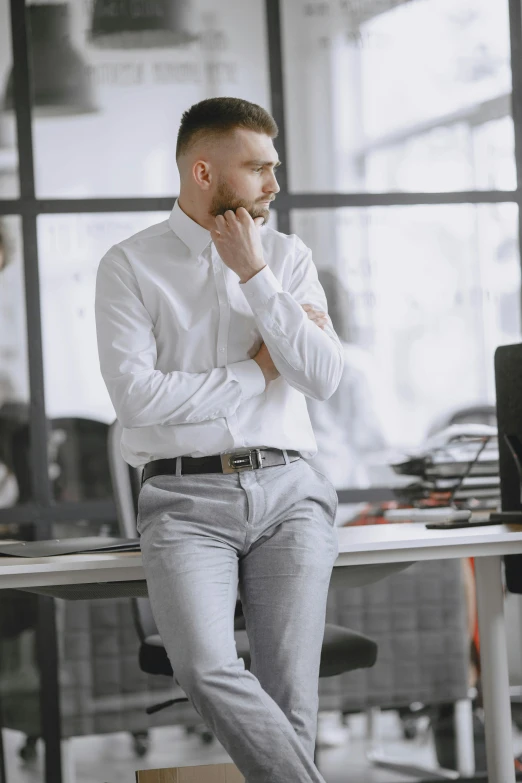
(221, 350)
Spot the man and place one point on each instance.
(212, 330)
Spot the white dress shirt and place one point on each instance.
(177, 332)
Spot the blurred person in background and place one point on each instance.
(348, 426)
(13, 409)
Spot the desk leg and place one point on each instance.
(494, 668)
(464, 736)
(47, 647)
(3, 774)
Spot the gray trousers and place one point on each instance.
(271, 532)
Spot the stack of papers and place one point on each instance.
(68, 546)
(459, 465)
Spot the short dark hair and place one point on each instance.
(215, 116)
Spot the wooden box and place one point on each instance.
(206, 773)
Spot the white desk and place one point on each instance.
(378, 546)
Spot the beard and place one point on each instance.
(226, 198)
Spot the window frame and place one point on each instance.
(43, 510)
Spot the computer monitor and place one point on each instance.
(508, 384)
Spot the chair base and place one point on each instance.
(404, 766)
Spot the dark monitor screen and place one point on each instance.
(508, 383)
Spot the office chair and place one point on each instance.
(78, 467)
(343, 650)
(481, 413)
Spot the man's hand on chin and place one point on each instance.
(237, 240)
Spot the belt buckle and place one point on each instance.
(241, 460)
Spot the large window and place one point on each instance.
(420, 296)
(389, 96)
(398, 140)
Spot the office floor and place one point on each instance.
(110, 759)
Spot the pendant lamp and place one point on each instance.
(61, 80)
(141, 24)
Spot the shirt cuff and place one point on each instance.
(250, 377)
(260, 288)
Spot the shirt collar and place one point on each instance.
(191, 233)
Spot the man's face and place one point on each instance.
(245, 177)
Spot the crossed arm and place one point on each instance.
(309, 358)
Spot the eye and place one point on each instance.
(260, 168)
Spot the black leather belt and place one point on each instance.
(245, 459)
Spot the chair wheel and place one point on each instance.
(141, 744)
(28, 751)
(207, 738)
(409, 729)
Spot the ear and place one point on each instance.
(201, 171)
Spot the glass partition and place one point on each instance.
(387, 96)
(108, 103)
(420, 296)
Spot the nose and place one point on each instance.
(271, 185)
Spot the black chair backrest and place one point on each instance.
(77, 455)
(472, 414)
